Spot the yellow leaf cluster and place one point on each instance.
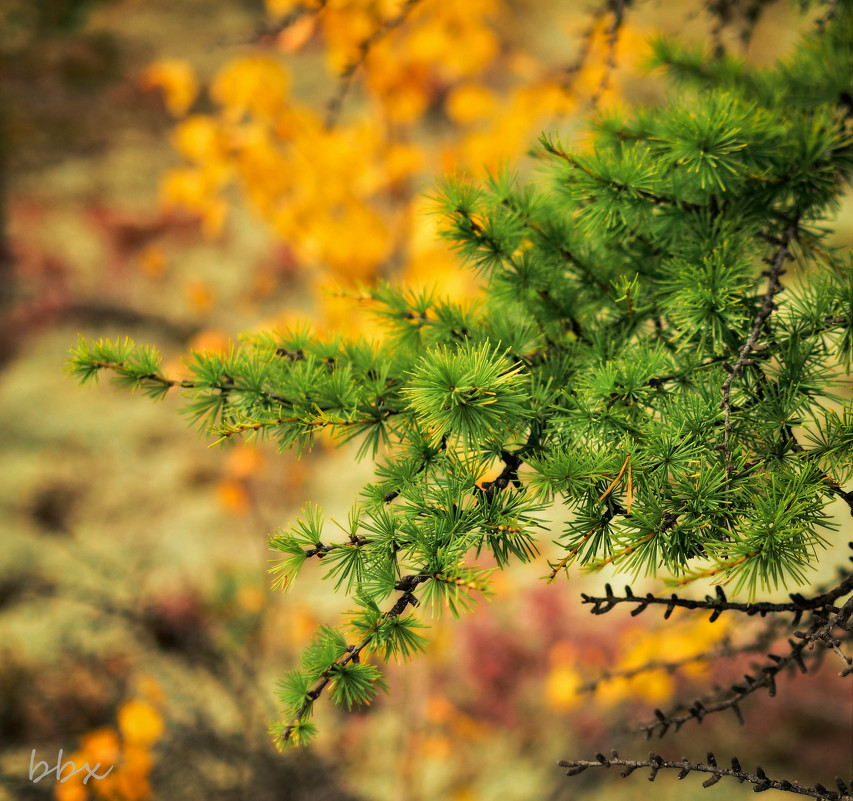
(448, 724)
(257, 85)
(470, 103)
(196, 190)
(140, 723)
(673, 643)
(126, 749)
(343, 191)
(595, 78)
(455, 36)
(501, 136)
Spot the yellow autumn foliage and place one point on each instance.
(140, 723)
(256, 85)
(198, 138)
(123, 755)
(677, 642)
(470, 103)
(343, 190)
(561, 687)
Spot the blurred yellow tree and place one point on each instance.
(445, 85)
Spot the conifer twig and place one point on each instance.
(655, 197)
(719, 604)
(509, 475)
(569, 557)
(227, 384)
(406, 586)
(564, 251)
(826, 325)
(227, 431)
(824, 632)
(759, 779)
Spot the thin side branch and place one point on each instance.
(654, 197)
(406, 586)
(227, 431)
(782, 255)
(820, 630)
(333, 109)
(655, 763)
(824, 633)
(617, 7)
(719, 604)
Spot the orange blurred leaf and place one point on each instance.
(140, 723)
(233, 496)
(176, 79)
(199, 296)
(152, 261)
(295, 36)
(101, 745)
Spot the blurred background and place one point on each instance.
(180, 171)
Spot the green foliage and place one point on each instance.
(132, 368)
(632, 355)
(469, 392)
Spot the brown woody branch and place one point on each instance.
(334, 106)
(655, 763)
(782, 255)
